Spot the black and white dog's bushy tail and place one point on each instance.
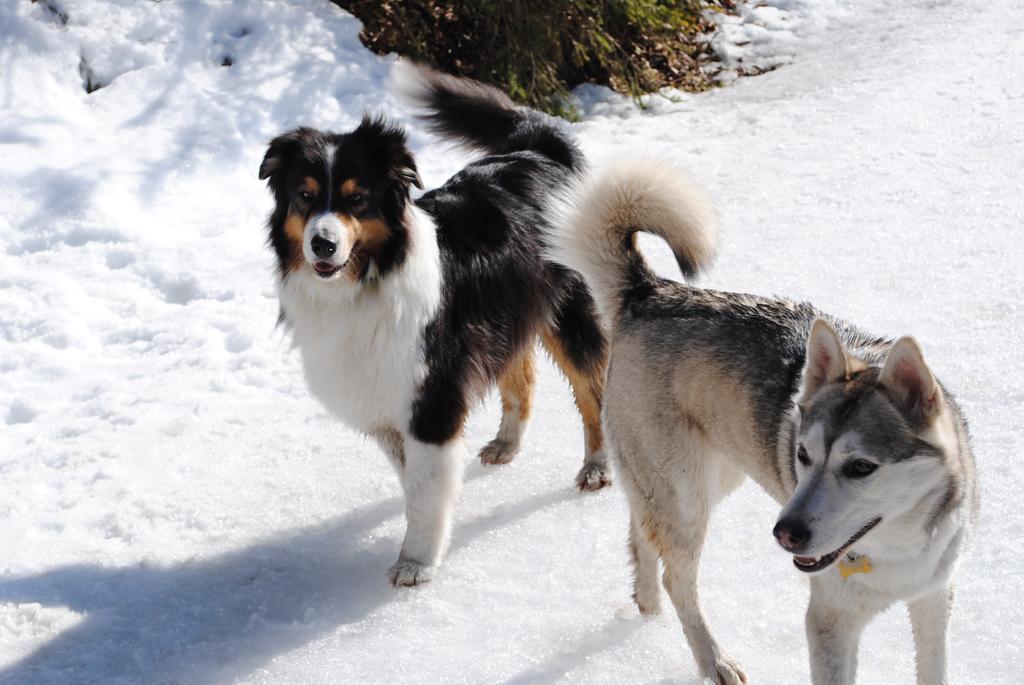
(596, 232)
(483, 117)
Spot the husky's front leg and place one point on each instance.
(929, 616)
(431, 478)
(832, 638)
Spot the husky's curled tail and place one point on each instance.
(596, 234)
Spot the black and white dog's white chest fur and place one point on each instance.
(405, 313)
(363, 349)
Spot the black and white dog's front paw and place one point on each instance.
(593, 476)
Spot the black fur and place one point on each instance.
(485, 118)
(375, 153)
(498, 293)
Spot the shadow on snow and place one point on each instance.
(227, 615)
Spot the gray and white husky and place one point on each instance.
(853, 434)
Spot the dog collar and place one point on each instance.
(854, 563)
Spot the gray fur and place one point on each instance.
(703, 389)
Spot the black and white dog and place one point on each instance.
(406, 312)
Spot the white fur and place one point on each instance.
(328, 226)
(904, 498)
(363, 354)
(911, 560)
(604, 208)
(431, 480)
(929, 617)
(362, 343)
(840, 608)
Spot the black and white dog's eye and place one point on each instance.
(802, 455)
(306, 195)
(858, 468)
(357, 198)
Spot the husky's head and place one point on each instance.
(870, 448)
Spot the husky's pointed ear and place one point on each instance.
(909, 382)
(825, 361)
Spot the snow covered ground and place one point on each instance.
(766, 34)
(174, 508)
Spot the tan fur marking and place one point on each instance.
(349, 186)
(587, 389)
(371, 232)
(356, 266)
(295, 230)
(391, 442)
(516, 384)
(311, 184)
(366, 236)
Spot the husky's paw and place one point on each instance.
(406, 573)
(593, 476)
(648, 606)
(649, 610)
(727, 672)
(498, 451)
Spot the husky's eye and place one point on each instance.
(858, 468)
(802, 455)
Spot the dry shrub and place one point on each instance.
(537, 50)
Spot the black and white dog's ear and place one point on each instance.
(825, 362)
(280, 152)
(274, 158)
(909, 382)
(389, 140)
(408, 173)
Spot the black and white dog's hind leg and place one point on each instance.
(579, 348)
(516, 388)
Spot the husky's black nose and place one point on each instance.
(322, 247)
(791, 534)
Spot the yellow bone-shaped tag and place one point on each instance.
(861, 564)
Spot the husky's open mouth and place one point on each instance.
(812, 564)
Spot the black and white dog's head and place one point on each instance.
(341, 201)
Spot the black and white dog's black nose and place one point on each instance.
(322, 247)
